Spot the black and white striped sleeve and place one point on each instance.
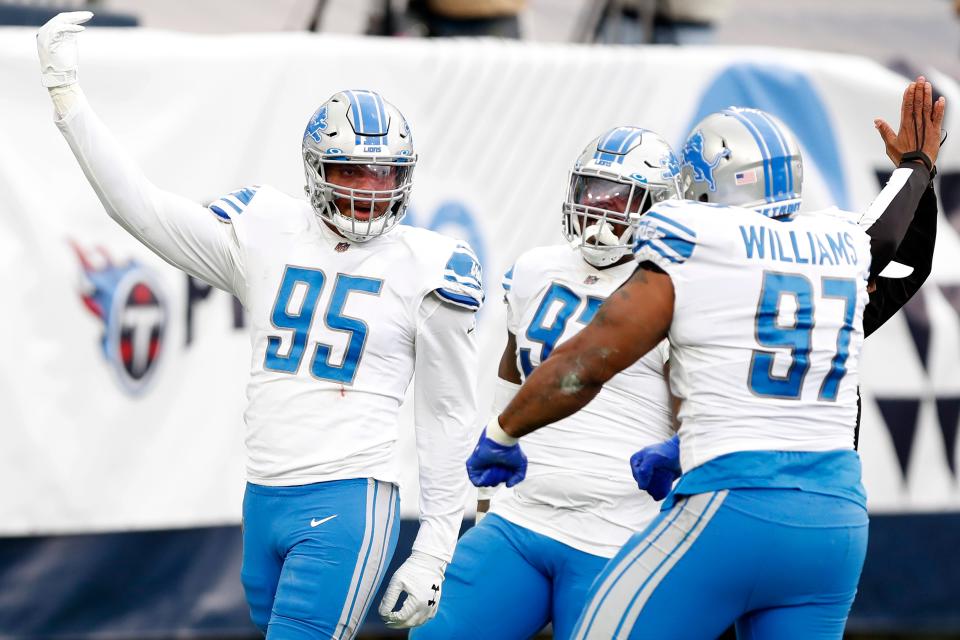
(889, 216)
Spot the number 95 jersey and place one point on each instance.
(333, 329)
(578, 488)
(767, 326)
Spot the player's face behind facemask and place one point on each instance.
(615, 180)
(358, 159)
(744, 158)
(364, 192)
(601, 215)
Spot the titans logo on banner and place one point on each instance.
(128, 301)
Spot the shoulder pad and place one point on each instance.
(661, 239)
(234, 203)
(463, 279)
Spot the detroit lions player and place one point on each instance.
(552, 534)
(768, 526)
(344, 306)
(729, 177)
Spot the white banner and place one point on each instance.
(121, 382)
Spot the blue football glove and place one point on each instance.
(656, 467)
(492, 463)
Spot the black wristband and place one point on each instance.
(910, 156)
(917, 155)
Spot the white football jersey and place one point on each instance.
(578, 488)
(332, 329)
(767, 326)
(336, 328)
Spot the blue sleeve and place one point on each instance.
(462, 279)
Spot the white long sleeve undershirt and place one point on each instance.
(182, 232)
(445, 412)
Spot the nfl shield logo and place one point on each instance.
(343, 246)
(591, 280)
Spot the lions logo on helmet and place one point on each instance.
(754, 162)
(317, 124)
(701, 167)
(358, 138)
(616, 178)
(670, 165)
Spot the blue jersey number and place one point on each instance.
(549, 334)
(798, 336)
(307, 284)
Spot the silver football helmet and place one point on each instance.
(616, 178)
(358, 158)
(744, 158)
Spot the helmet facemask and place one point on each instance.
(599, 215)
(359, 214)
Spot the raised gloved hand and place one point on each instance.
(496, 458)
(656, 467)
(57, 47)
(421, 578)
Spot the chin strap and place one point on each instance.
(607, 252)
(600, 256)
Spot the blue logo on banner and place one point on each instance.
(127, 300)
(453, 218)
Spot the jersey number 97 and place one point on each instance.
(799, 336)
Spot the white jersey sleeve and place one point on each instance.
(766, 329)
(184, 233)
(445, 415)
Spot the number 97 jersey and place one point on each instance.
(767, 326)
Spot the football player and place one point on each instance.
(730, 178)
(344, 306)
(552, 534)
(768, 525)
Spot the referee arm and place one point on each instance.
(916, 250)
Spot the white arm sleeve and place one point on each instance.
(445, 411)
(182, 232)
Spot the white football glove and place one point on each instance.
(421, 576)
(57, 46)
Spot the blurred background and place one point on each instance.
(120, 482)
